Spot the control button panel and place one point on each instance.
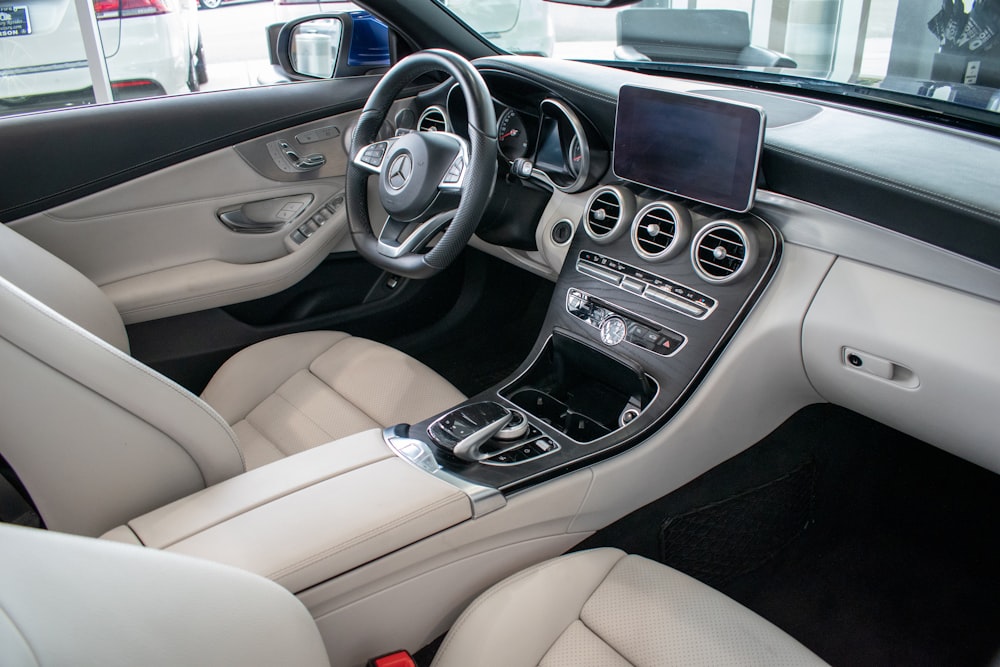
(534, 447)
(374, 153)
(618, 326)
(319, 218)
(469, 421)
(661, 291)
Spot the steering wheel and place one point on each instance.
(427, 181)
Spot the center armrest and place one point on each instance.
(311, 516)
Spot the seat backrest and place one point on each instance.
(96, 437)
(59, 286)
(67, 600)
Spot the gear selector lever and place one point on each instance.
(465, 430)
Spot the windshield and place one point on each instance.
(927, 53)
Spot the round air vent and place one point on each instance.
(660, 229)
(722, 251)
(607, 213)
(434, 119)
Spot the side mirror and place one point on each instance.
(313, 47)
(325, 46)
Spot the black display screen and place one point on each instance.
(694, 147)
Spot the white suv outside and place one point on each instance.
(152, 47)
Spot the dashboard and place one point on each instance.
(654, 280)
(653, 283)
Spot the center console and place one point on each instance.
(651, 291)
(664, 266)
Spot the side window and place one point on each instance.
(63, 53)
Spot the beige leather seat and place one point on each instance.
(98, 438)
(67, 600)
(603, 608)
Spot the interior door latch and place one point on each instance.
(263, 217)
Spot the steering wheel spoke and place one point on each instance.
(402, 238)
(454, 178)
(372, 157)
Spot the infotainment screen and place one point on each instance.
(694, 147)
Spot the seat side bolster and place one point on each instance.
(86, 421)
(518, 620)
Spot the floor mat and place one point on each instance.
(734, 536)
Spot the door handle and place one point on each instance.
(264, 217)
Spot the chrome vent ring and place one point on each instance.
(607, 213)
(660, 230)
(722, 251)
(434, 119)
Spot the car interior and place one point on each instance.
(484, 359)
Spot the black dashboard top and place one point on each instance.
(880, 168)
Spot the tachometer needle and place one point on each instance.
(509, 133)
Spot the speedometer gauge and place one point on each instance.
(512, 135)
(574, 158)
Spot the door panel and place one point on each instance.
(61, 156)
(177, 240)
(157, 247)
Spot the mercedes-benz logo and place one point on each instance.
(399, 171)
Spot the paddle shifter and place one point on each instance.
(465, 430)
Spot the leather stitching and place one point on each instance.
(264, 437)
(594, 632)
(367, 535)
(105, 347)
(602, 639)
(360, 409)
(237, 362)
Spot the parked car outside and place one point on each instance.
(152, 47)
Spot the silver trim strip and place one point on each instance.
(417, 238)
(651, 293)
(822, 229)
(581, 135)
(483, 499)
(550, 430)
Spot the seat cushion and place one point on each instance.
(605, 608)
(290, 393)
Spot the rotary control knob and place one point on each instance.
(613, 330)
(515, 428)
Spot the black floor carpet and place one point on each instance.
(868, 546)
